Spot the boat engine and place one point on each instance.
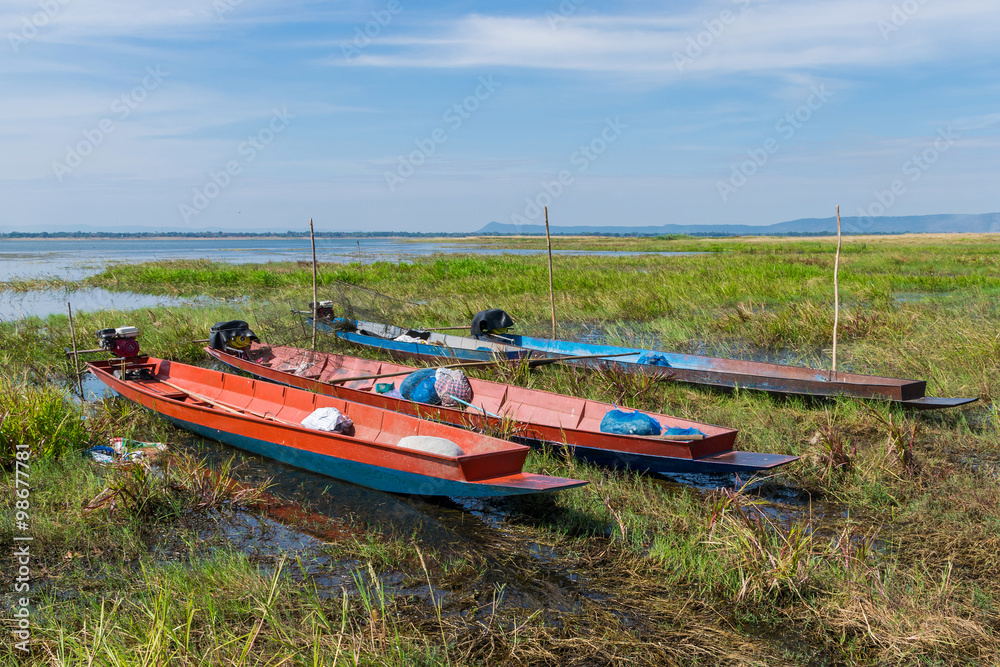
(491, 322)
(120, 342)
(235, 334)
(324, 309)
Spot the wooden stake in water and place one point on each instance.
(552, 295)
(76, 357)
(836, 293)
(312, 238)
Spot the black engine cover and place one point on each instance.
(488, 320)
(222, 332)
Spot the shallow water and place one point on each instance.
(74, 259)
(42, 303)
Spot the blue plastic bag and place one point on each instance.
(425, 392)
(411, 381)
(653, 360)
(674, 430)
(629, 423)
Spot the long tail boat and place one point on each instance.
(722, 372)
(528, 415)
(265, 419)
(406, 344)
(690, 368)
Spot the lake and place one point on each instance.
(78, 258)
(75, 259)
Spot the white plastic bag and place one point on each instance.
(328, 419)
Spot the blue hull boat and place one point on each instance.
(722, 372)
(426, 346)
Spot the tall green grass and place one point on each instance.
(38, 418)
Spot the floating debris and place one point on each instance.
(126, 450)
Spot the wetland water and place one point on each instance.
(75, 259)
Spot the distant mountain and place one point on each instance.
(913, 224)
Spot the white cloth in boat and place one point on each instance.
(409, 339)
(328, 419)
(404, 338)
(431, 445)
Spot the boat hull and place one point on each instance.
(495, 470)
(371, 476)
(532, 418)
(727, 462)
(733, 373)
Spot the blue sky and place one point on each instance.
(444, 116)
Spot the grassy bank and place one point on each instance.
(931, 305)
(879, 547)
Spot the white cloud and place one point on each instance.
(768, 37)
(977, 122)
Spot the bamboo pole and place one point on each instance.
(312, 238)
(836, 293)
(471, 364)
(464, 326)
(552, 295)
(76, 358)
(78, 352)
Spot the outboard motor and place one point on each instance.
(120, 342)
(491, 322)
(236, 334)
(324, 309)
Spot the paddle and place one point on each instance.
(224, 406)
(531, 363)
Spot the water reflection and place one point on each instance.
(42, 303)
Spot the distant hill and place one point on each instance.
(910, 224)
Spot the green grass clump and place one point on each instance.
(38, 419)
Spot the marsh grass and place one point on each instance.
(770, 558)
(621, 387)
(899, 567)
(171, 485)
(36, 418)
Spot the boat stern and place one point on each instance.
(525, 483)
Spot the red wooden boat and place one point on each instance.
(535, 416)
(265, 418)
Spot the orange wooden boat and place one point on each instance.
(534, 416)
(265, 418)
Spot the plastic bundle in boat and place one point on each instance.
(328, 419)
(624, 422)
(452, 387)
(419, 386)
(437, 386)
